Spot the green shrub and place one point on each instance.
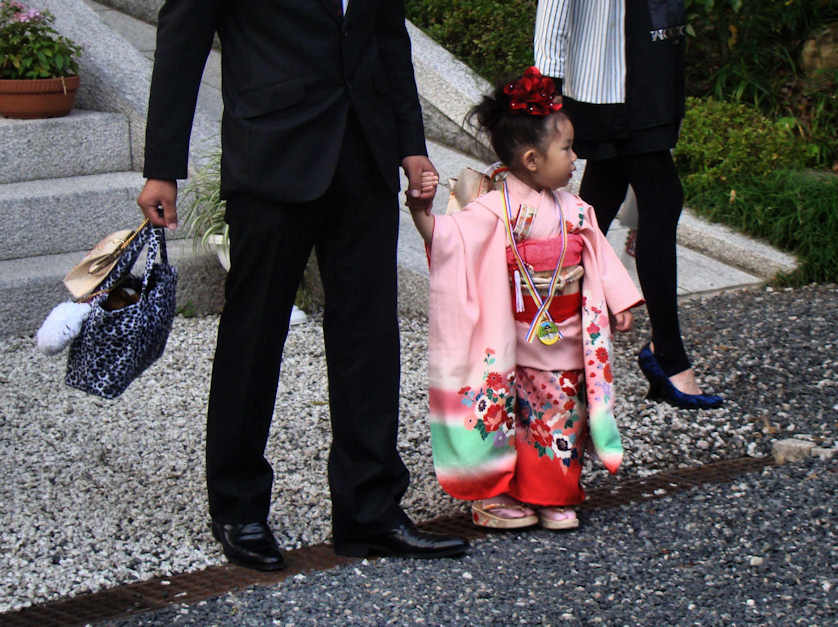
(750, 51)
(792, 209)
(728, 141)
(493, 37)
(740, 168)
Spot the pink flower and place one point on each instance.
(32, 15)
(470, 421)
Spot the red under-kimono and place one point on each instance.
(509, 416)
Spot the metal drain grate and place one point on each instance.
(214, 581)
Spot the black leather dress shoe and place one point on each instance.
(251, 545)
(404, 540)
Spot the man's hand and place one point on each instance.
(422, 179)
(159, 193)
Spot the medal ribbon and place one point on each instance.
(543, 305)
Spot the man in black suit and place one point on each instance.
(320, 108)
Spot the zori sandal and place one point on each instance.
(488, 514)
(557, 518)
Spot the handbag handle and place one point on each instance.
(156, 245)
(146, 235)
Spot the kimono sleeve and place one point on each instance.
(617, 285)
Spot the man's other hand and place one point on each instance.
(159, 194)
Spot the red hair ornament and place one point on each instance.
(532, 94)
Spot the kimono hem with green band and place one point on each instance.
(485, 440)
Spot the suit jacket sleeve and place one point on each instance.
(394, 44)
(184, 38)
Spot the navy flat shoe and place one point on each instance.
(661, 388)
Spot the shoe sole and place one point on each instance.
(372, 550)
(557, 525)
(482, 518)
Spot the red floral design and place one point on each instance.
(532, 94)
(495, 381)
(572, 376)
(541, 433)
(464, 390)
(606, 372)
(602, 354)
(592, 328)
(569, 405)
(494, 417)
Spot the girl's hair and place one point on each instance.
(511, 132)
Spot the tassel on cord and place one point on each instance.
(519, 297)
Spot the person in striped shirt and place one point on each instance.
(619, 65)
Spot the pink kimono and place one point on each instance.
(509, 416)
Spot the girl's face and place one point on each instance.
(553, 166)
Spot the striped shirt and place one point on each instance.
(583, 43)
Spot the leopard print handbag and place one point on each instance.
(129, 321)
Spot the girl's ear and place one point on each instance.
(529, 159)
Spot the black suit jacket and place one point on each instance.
(291, 72)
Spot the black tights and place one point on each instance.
(659, 201)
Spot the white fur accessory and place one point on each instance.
(60, 327)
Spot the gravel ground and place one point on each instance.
(761, 550)
(100, 493)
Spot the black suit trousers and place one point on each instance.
(353, 228)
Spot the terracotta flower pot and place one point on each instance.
(37, 97)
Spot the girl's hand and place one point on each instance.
(429, 182)
(623, 321)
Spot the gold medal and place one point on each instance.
(548, 333)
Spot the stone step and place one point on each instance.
(31, 287)
(51, 216)
(84, 142)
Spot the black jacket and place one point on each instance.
(291, 72)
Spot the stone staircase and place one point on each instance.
(64, 184)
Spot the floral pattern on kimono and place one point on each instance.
(471, 311)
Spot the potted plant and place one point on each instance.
(201, 210)
(38, 66)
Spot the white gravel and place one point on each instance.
(99, 493)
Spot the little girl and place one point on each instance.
(519, 346)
